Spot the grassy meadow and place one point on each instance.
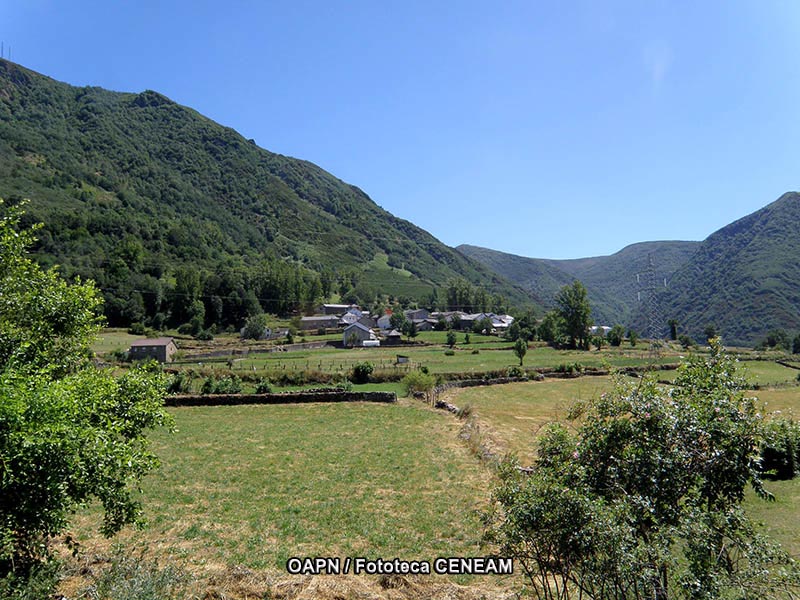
(254, 485)
(472, 361)
(251, 486)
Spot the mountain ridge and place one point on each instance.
(742, 279)
(105, 170)
(611, 280)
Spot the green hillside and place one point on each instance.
(535, 276)
(159, 204)
(611, 281)
(743, 278)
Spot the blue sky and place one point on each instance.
(545, 129)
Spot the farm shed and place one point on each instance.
(319, 322)
(160, 349)
(356, 334)
(393, 338)
(336, 309)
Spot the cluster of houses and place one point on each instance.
(360, 328)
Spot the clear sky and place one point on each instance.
(545, 129)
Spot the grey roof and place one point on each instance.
(360, 326)
(164, 341)
(319, 318)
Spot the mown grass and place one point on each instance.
(254, 485)
(785, 401)
(766, 373)
(759, 373)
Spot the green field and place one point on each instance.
(786, 400)
(464, 361)
(254, 485)
(110, 340)
(779, 518)
(759, 373)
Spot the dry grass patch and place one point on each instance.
(786, 400)
(511, 415)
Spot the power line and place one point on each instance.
(648, 286)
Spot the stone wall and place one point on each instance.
(282, 398)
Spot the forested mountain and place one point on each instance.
(744, 279)
(178, 218)
(611, 281)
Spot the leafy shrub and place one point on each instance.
(476, 351)
(137, 329)
(179, 383)
(451, 338)
(40, 582)
(254, 327)
(264, 387)
(515, 372)
(361, 372)
(418, 381)
(186, 329)
(780, 452)
(228, 384)
(645, 493)
(204, 336)
(209, 385)
(616, 335)
(464, 412)
(449, 353)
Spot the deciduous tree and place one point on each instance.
(575, 311)
(520, 349)
(69, 432)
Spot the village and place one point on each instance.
(358, 328)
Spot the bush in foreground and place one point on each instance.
(644, 499)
